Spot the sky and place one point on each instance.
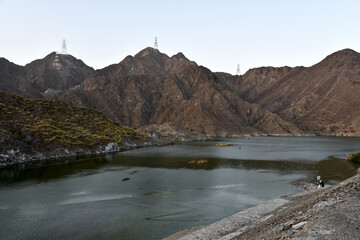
(216, 34)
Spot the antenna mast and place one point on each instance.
(156, 43)
(63, 49)
(238, 70)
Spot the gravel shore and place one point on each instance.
(327, 213)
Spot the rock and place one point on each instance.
(353, 157)
(112, 147)
(278, 89)
(170, 133)
(310, 187)
(288, 233)
(299, 225)
(286, 227)
(152, 88)
(40, 79)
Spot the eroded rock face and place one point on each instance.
(56, 71)
(318, 99)
(11, 75)
(46, 77)
(38, 129)
(152, 88)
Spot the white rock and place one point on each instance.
(299, 225)
(112, 147)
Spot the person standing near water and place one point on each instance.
(320, 182)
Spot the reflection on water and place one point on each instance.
(330, 169)
(153, 192)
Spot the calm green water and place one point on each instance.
(151, 193)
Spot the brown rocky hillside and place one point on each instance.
(320, 99)
(47, 77)
(11, 75)
(35, 129)
(153, 88)
(56, 72)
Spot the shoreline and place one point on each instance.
(19, 158)
(307, 215)
(42, 158)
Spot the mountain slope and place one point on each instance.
(33, 129)
(56, 72)
(11, 75)
(319, 99)
(45, 77)
(152, 88)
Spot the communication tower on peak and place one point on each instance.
(238, 70)
(156, 43)
(63, 48)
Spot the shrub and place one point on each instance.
(55, 122)
(353, 157)
(224, 144)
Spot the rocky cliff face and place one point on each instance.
(56, 72)
(152, 88)
(256, 81)
(319, 99)
(11, 75)
(37, 129)
(45, 77)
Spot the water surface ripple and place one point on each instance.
(150, 193)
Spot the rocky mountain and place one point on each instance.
(161, 92)
(45, 77)
(36, 129)
(11, 75)
(153, 88)
(318, 99)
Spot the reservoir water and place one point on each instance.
(153, 192)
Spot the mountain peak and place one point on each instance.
(346, 51)
(56, 71)
(344, 55)
(148, 51)
(179, 56)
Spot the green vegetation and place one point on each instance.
(201, 161)
(54, 121)
(224, 144)
(189, 129)
(353, 157)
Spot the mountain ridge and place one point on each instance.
(46, 77)
(38, 129)
(153, 88)
(318, 98)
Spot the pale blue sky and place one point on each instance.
(216, 34)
